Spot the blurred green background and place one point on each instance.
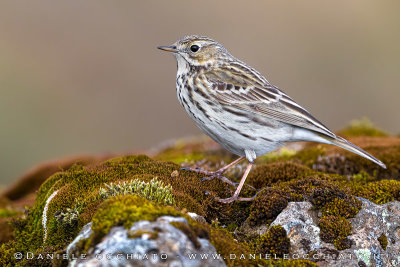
(86, 77)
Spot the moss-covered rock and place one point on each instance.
(79, 189)
(267, 206)
(108, 195)
(264, 175)
(335, 230)
(125, 210)
(328, 193)
(379, 192)
(121, 191)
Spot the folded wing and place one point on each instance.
(246, 90)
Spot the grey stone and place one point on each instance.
(85, 233)
(301, 225)
(148, 243)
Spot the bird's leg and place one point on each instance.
(239, 188)
(218, 173)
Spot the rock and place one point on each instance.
(372, 222)
(301, 226)
(146, 243)
(331, 223)
(83, 234)
(369, 224)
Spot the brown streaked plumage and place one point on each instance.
(237, 107)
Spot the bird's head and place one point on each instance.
(199, 51)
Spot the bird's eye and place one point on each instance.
(194, 48)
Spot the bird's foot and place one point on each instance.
(211, 175)
(200, 170)
(235, 198)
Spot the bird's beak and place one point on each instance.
(171, 48)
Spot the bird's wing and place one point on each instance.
(249, 91)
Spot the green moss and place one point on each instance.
(383, 241)
(363, 177)
(5, 213)
(309, 155)
(280, 155)
(324, 192)
(346, 208)
(231, 227)
(7, 251)
(267, 206)
(154, 190)
(179, 158)
(334, 226)
(271, 173)
(363, 127)
(193, 152)
(335, 229)
(274, 242)
(125, 210)
(379, 192)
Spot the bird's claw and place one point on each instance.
(210, 175)
(235, 198)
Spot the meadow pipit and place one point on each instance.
(238, 108)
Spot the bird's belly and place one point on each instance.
(236, 131)
(238, 137)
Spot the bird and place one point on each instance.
(237, 107)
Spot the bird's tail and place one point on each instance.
(343, 143)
